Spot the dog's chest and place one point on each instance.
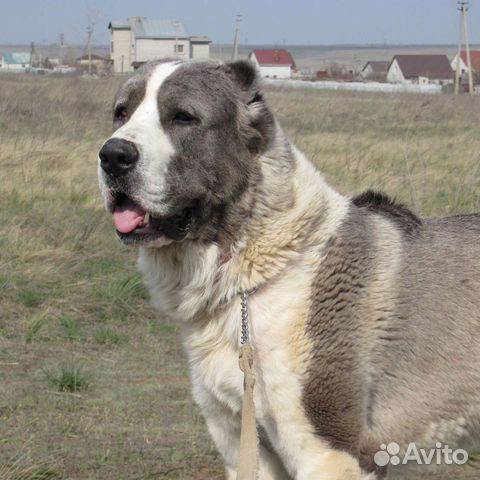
(277, 329)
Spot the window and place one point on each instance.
(178, 48)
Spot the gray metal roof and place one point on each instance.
(200, 39)
(119, 25)
(157, 28)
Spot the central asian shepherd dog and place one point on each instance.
(364, 318)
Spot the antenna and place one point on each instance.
(463, 6)
(238, 19)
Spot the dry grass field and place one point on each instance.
(93, 385)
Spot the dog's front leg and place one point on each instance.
(310, 457)
(332, 465)
(225, 431)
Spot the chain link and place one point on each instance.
(245, 336)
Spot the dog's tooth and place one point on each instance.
(146, 219)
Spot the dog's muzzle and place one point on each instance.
(118, 157)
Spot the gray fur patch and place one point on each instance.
(399, 365)
(333, 393)
(217, 147)
(380, 203)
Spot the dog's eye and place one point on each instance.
(183, 118)
(121, 113)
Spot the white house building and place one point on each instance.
(374, 70)
(474, 59)
(420, 69)
(141, 39)
(16, 62)
(272, 63)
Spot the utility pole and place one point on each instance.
(176, 23)
(89, 48)
(62, 45)
(32, 53)
(463, 6)
(236, 41)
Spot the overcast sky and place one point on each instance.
(264, 21)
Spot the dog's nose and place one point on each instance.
(118, 157)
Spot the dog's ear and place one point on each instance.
(259, 122)
(244, 75)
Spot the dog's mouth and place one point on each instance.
(137, 226)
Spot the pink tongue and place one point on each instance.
(128, 217)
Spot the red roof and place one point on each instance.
(273, 57)
(474, 57)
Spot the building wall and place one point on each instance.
(152, 49)
(367, 71)
(274, 71)
(200, 50)
(15, 66)
(395, 75)
(463, 66)
(439, 81)
(122, 51)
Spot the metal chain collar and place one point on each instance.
(245, 335)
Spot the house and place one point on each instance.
(16, 62)
(420, 69)
(272, 63)
(141, 39)
(474, 59)
(374, 70)
(99, 64)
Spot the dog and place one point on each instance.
(364, 318)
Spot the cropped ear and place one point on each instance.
(258, 124)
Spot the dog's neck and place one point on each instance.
(292, 208)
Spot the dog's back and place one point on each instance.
(438, 323)
(397, 299)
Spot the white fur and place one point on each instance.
(204, 298)
(155, 147)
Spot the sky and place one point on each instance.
(301, 22)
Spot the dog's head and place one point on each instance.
(185, 149)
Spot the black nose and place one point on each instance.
(118, 157)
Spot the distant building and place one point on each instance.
(273, 63)
(18, 61)
(420, 69)
(375, 70)
(99, 64)
(322, 75)
(474, 58)
(140, 39)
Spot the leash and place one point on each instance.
(248, 453)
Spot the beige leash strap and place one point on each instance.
(248, 454)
